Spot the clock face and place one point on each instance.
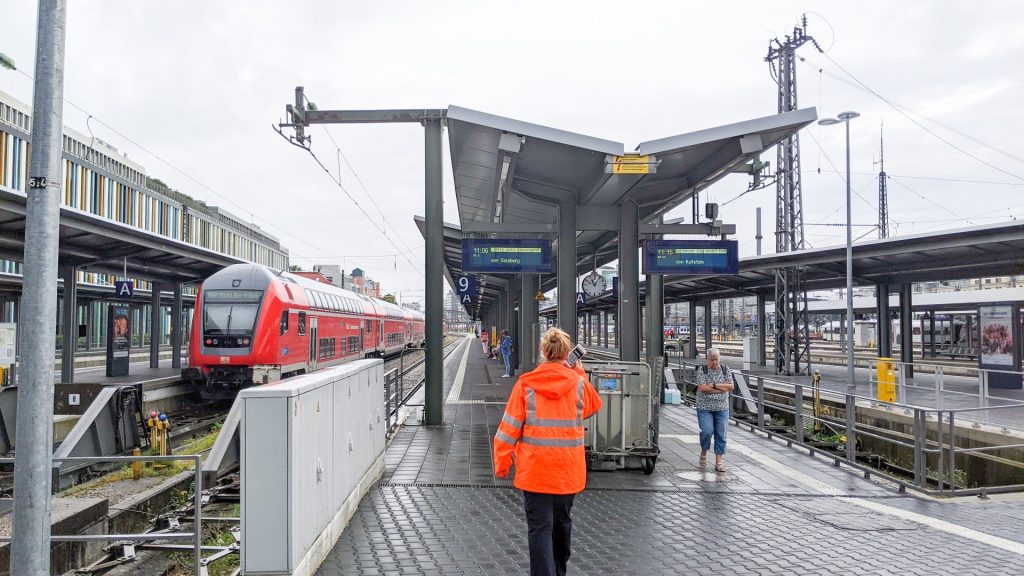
(594, 285)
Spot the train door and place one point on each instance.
(408, 334)
(362, 335)
(313, 345)
(381, 345)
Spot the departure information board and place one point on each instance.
(503, 256)
(691, 257)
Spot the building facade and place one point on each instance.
(99, 180)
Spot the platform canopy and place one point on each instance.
(96, 244)
(977, 252)
(511, 176)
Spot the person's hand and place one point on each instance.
(503, 474)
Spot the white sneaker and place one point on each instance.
(506, 376)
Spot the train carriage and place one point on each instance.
(254, 325)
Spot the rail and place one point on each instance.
(396, 394)
(928, 423)
(196, 536)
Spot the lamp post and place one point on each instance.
(844, 118)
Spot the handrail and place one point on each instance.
(943, 427)
(197, 531)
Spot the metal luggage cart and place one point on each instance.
(624, 433)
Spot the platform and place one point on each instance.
(439, 510)
(956, 392)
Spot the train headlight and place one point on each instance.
(209, 341)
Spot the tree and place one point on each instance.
(295, 268)
(389, 298)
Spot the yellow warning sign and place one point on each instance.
(632, 164)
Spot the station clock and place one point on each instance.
(594, 285)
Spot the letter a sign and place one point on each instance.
(581, 298)
(124, 288)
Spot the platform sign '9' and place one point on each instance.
(465, 287)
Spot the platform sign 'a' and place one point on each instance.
(581, 298)
(124, 288)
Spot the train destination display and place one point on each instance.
(506, 256)
(691, 257)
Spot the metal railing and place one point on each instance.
(196, 536)
(932, 379)
(933, 434)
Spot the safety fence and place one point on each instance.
(196, 536)
(930, 434)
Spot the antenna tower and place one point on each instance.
(792, 330)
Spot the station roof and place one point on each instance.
(515, 173)
(976, 252)
(97, 244)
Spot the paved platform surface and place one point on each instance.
(439, 510)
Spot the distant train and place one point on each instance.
(253, 325)
(865, 332)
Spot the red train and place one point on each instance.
(253, 325)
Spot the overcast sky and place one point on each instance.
(200, 82)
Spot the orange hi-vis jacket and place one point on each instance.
(543, 427)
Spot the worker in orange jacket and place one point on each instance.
(542, 432)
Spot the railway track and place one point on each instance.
(220, 501)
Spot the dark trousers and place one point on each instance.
(550, 532)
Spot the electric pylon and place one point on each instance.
(792, 330)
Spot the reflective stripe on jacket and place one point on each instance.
(543, 428)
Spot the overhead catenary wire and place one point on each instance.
(360, 207)
(864, 87)
(343, 157)
(201, 184)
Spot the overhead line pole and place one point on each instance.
(792, 329)
(33, 458)
(433, 122)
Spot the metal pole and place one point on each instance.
(30, 549)
(708, 344)
(693, 329)
(851, 423)
(154, 327)
(197, 504)
(434, 252)
(70, 313)
(762, 323)
(176, 327)
(655, 316)
(758, 235)
(568, 319)
(850, 382)
(798, 412)
(528, 345)
(628, 320)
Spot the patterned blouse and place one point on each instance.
(713, 402)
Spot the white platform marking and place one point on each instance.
(456, 390)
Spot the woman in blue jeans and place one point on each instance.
(714, 383)
(506, 352)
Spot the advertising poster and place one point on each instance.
(120, 332)
(996, 335)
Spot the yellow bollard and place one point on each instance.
(886, 373)
(136, 466)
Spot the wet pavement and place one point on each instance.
(439, 510)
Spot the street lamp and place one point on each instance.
(844, 118)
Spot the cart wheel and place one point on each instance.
(648, 466)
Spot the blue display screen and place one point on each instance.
(506, 256)
(691, 257)
(604, 383)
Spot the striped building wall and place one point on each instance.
(98, 180)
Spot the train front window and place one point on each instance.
(228, 319)
(227, 312)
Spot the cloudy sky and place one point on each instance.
(191, 88)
